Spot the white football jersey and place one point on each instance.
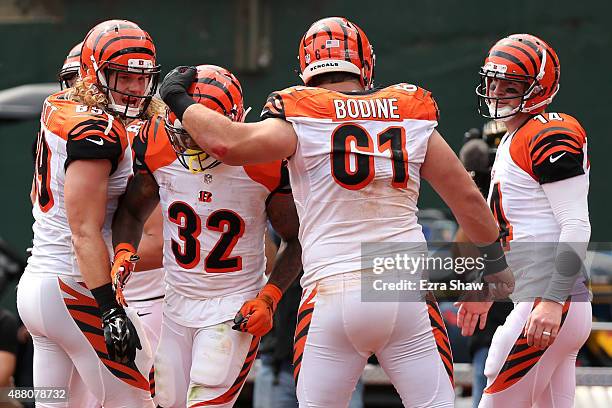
(68, 132)
(355, 175)
(547, 148)
(214, 221)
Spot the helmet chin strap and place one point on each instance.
(504, 113)
(193, 163)
(194, 160)
(129, 112)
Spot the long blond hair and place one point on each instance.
(88, 94)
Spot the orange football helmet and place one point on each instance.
(70, 70)
(120, 46)
(334, 44)
(525, 59)
(217, 89)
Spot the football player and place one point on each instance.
(538, 194)
(356, 158)
(69, 72)
(145, 291)
(65, 296)
(214, 223)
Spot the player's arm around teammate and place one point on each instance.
(256, 315)
(472, 213)
(242, 143)
(138, 203)
(150, 249)
(234, 143)
(140, 199)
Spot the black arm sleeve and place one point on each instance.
(92, 138)
(557, 157)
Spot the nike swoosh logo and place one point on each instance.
(99, 142)
(143, 314)
(554, 159)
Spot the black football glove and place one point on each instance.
(120, 336)
(173, 89)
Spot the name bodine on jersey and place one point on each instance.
(214, 223)
(355, 174)
(70, 131)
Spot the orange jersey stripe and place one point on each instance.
(266, 174)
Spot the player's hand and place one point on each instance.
(123, 266)
(120, 336)
(501, 284)
(174, 89)
(543, 324)
(256, 315)
(469, 314)
(177, 81)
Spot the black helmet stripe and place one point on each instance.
(122, 37)
(347, 55)
(314, 37)
(511, 58)
(524, 51)
(360, 47)
(555, 65)
(212, 98)
(237, 85)
(117, 26)
(304, 41)
(329, 32)
(221, 86)
(133, 50)
(536, 48)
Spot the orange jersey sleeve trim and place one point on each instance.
(268, 175)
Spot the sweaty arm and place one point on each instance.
(284, 219)
(234, 143)
(572, 213)
(255, 315)
(443, 170)
(237, 143)
(137, 204)
(150, 249)
(85, 195)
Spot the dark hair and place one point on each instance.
(332, 78)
